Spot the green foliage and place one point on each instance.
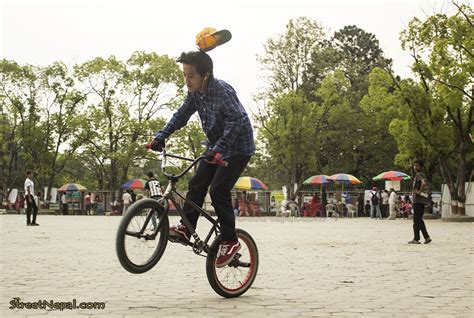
(128, 97)
(41, 105)
(89, 126)
(331, 78)
(432, 118)
(289, 137)
(288, 56)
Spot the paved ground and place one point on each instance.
(309, 267)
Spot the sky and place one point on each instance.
(73, 31)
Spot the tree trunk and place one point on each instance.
(124, 178)
(449, 183)
(113, 179)
(461, 180)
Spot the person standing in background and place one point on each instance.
(360, 205)
(64, 203)
(375, 204)
(420, 199)
(153, 186)
(87, 203)
(30, 200)
(385, 205)
(392, 203)
(127, 200)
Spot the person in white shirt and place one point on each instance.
(64, 203)
(385, 208)
(393, 202)
(30, 200)
(127, 199)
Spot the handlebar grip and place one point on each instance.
(148, 146)
(217, 160)
(221, 162)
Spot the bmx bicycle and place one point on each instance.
(144, 232)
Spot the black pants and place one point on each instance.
(221, 181)
(384, 211)
(418, 223)
(65, 209)
(31, 205)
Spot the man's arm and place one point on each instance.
(423, 185)
(233, 122)
(179, 119)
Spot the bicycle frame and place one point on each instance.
(198, 245)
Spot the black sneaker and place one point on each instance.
(428, 240)
(34, 224)
(28, 224)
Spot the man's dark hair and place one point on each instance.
(29, 172)
(420, 162)
(198, 59)
(150, 174)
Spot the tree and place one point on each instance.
(329, 78)
(126, 99)
(288, 136)
(18, 92)
(288, 56)
(439, 106)
(350, 136)
(42, 114)
(385, 105)
(442, 49)
(62, 119)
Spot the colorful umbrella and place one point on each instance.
(72, 187)
(345, 178)
(250, 183)
(134, 184)
(318, 179)
(392, 175)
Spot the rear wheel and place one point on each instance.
(236, 278)
(142, 235)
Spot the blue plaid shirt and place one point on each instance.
(224, 120)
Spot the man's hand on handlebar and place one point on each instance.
(214, 158)
(210, 154)
(157, 144)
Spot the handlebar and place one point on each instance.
(193, 163)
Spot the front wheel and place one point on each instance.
(142, 235)
(236, 278)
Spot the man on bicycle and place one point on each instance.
(229, 132)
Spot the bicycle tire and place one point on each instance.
(134, 211)
(214, 274)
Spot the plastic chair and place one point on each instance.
(351, 210)
(330, 210)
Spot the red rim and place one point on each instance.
(247, 277)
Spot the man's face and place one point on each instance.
(192, 78)
(417, 167)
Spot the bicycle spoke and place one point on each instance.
(241, 270)
(141, 242)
